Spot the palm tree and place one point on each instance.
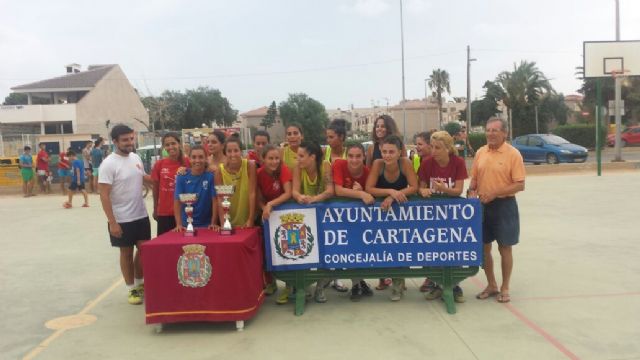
(439, 83)
(523, 86)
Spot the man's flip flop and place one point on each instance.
(66, 205)
(503, 298)
(485, 294)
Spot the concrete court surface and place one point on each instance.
(575, 292)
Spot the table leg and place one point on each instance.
(240, 325)
(447, 295)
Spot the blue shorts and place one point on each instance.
(501, 222)
(64, 172)
(75, 187)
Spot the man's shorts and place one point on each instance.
(95, 172)
(74, 186)
(42, 172)
(27, 174)
(64, 172)
(501, 222)
(132, 232)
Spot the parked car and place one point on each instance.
(552, 149)
(629, 136)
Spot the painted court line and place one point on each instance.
(533, 326)
(46, 342)
(585, 296)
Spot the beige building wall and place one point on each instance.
(114, 99)
(276, 132)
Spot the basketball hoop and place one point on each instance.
(618, 72)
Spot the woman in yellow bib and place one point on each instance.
(241, 173)
(336, 135)
(289, 153)
(312, 182)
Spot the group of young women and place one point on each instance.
(302, 171)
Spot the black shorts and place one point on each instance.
(73, 186)
(165, 224)
(132, 232)
(501, 222)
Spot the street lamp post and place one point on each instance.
(469, 60)
(404, 105)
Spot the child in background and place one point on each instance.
(77, 180)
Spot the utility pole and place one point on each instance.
(469, 60)
(617, 20)
(404, 105)
(618, 89)
(536, 108)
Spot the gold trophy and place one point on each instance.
(189, 200)
(225, 191)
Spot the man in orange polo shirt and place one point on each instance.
(497, 175)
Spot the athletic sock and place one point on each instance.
(138, 282)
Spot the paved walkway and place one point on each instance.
(574, 294)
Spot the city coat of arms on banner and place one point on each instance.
(194, 267)
(293, 239)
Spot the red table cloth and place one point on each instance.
(204, 278)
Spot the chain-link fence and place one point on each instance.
(12, 145)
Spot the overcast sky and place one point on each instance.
(340, 52)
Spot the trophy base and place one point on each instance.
(189, 233)
(226, 232)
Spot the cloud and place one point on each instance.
(366, 8)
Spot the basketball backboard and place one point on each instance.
(602, 58)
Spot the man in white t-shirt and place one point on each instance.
(120, 181)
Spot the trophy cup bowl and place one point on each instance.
(225, 191)
(189, 200)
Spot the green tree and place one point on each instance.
(15, 99)
(630, 94)
(207, 105)
(485, 108)
(22, 99)
(439, 83)
(190, 109)
(552, 108)
(520, 91)
(309, 113)
(452, 127)
(270, 118)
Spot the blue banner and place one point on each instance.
(433, 232)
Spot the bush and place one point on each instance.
(581, 134)
(453, 128)
(477, 140)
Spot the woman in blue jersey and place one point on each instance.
(196, 180)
